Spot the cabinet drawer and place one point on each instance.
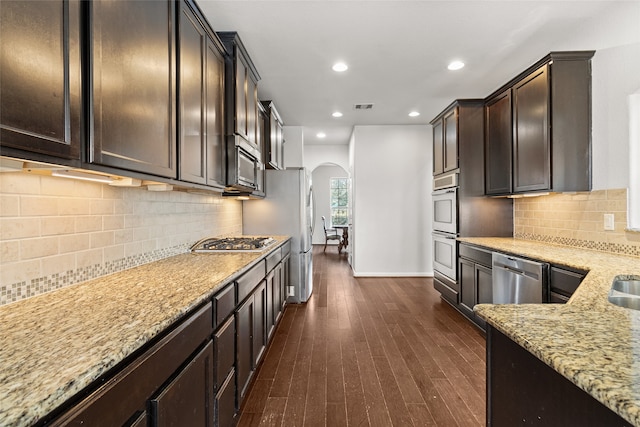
(286, 249)
(250, 280)
(223, 304)
(224, 351)
(477, 255)
(273, 259)
(564, 282)
(557, 298)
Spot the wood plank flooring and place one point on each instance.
(369, 352)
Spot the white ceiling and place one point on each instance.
(398, 51)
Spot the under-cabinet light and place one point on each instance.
(83, 176)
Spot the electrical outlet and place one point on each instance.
(608, 222)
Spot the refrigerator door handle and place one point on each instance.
(313, 210)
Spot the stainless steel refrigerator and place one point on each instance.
(287, 209)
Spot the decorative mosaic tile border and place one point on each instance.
(25, 289)
(615, 248)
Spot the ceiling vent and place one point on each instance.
(363, 106)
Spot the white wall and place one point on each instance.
(320, 180)
(316, 155)
(615, 76)
(391, 175)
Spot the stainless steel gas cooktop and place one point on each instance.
(237, 244)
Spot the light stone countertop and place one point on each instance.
(54, 345)
(591, 342)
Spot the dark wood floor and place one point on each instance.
(369, 351)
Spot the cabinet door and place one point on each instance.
(484, 282)
(277, 293)
(467, 273)
(252, 111)
(451, 140)
(285, 279)
(498, 144)
(272, 298)
(216, 160)
(279, 146)
(225, 403)
(188, 399)
(224, 351)
(259, 323)
(273, 141)
(531, 146)
(40, 77)
(242, 75)
(133, 81)
(244, 344)
(192, 94)
(438, 148)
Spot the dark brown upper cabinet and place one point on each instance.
(133, 81)
(243, 90)
(273, 146)
(40, 80)
(498, 144)
(445, 141)
(244, 159)
(548, 110)
(531, 156)
(200, 101)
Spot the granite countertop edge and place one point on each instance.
(591, 342)
(78, 333)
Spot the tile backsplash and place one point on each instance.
(577, 220)
(55, 232)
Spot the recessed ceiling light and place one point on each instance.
(340, 67)
(455, 65)
(414, 114)
(321, 135)
(337, 114)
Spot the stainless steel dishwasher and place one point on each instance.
(517, 280)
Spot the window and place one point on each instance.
(338, 188)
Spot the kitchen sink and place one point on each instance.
(625, 292)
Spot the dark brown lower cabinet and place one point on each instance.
(523, 390)
(244, 343)
(476, 280)
(124, 399)
(188, 399)
(250, 338)
(197, 374)
(225, 402)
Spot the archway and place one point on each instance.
(321, 178)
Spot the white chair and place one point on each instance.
(330, 234)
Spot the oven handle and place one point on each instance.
(445, 235)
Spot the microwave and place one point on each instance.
(244, 169)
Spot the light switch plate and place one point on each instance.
(608, 222)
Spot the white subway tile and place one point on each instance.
(51, 226)
(38, 247)
(19, 228)
(9, 205)
(38, 206)
(58, 264)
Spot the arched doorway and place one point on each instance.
(321, 180)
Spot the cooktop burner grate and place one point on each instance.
(220, 244)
